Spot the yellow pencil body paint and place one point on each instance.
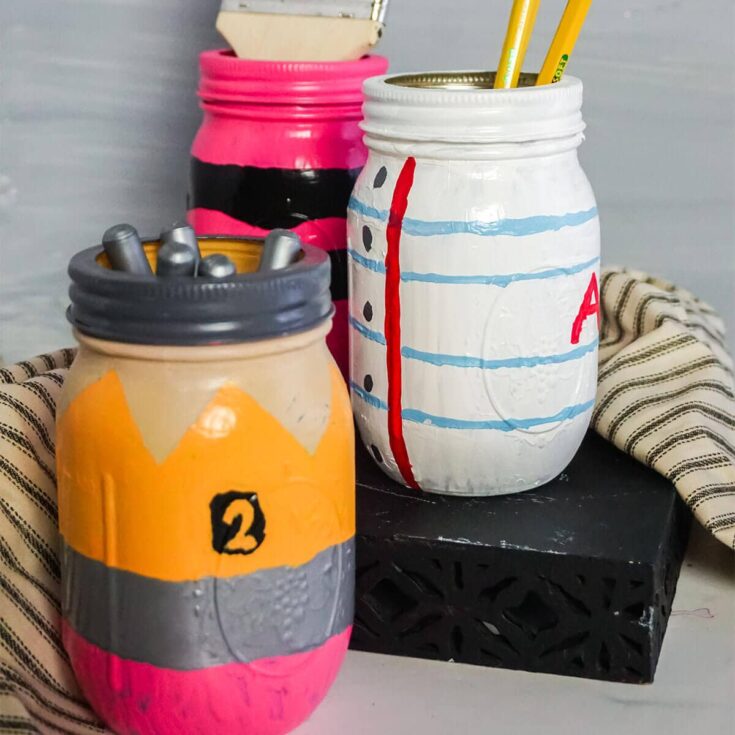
(565, 38)
(520, 27)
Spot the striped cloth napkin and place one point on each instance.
(665, 391)
(38, 691)
(665, 396)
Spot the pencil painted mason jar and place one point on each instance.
(475, 248)
(280, 146)
(206, 496)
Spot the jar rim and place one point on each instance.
(462, 107)
(122, 307)
(225, 78)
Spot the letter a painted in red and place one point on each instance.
(590, 305)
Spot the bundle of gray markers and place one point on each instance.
(179, 256)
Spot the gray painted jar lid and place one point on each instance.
(247, 306)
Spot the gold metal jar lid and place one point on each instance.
(455, 80)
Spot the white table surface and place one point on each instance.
(694, 689)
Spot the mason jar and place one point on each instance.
(280, 146)
(206, 495)
(474, 242)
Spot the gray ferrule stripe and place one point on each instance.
(212, 621)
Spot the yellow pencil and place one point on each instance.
(563, 44)
(520, 27)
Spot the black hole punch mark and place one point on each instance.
(367, 311)
(376, 453)
(367, 238)
(380, 177)
(368, 383)
(227, 510)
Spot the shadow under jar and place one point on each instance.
(475, 247)
(206, 495)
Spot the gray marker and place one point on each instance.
(216, 266)
(280, 250)
(184, 234)
(176, 260)
(125, 250)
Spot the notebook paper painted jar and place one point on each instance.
(280, 146)
(206, 496)
(474, 246)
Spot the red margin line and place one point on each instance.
(393, 320)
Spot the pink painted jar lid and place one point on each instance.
(227, 79)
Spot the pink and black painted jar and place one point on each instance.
(280, 146)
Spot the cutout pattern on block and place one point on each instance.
(575, 579)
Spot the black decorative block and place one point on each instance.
(574, 578)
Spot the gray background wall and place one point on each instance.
(97, 111)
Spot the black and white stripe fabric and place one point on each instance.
(665, 391)
(665, 396)
(38, 692)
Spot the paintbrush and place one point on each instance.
(302, 30)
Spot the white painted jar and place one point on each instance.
(474, 244)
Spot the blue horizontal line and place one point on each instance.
(368, 397)
(443, 422)
(376, 266)
(501, 280)
(570, 412)
(466, 361)
(367, 332)
(367, 211)
(511, 227)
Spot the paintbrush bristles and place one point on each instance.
(292, 35)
